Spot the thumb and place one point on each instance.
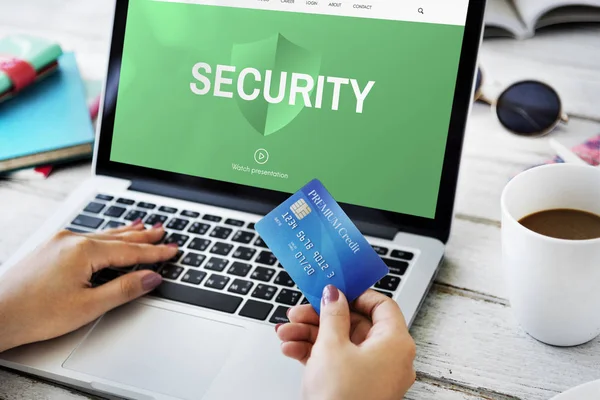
(334, 323)
(123, 290)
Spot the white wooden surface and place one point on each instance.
(469, 346)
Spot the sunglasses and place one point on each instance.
(527, 108)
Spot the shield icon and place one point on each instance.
(279, 55)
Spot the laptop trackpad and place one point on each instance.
(158, 350)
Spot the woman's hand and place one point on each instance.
(364, 354)
(49, 294)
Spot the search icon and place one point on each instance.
(420, 11)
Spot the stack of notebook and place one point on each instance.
(44, 108)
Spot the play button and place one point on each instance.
(261, 156)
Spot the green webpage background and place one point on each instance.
(388, 157)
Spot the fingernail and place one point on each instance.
(330, 294)
(173, 245)
(157, 225)
(136, 222)
(277, 327)
(151, 281)
(287, 313)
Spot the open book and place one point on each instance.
(520, 18)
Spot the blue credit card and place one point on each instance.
(318, 245)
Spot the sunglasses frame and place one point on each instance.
(479, 96)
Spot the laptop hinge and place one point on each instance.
(240, 204)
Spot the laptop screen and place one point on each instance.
(274, 93)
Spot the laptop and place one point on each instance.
(213, 113)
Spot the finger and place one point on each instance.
(304, 314)
(335, 317)
(135, 225)
(299, 351)
(297, 333)
(382, 310)
(137, 236)
(115, 253)
(122, 290)
(361, 326)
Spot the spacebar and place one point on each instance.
(198, 297)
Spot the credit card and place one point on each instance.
(318, 245)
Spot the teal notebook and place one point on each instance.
(48, 123)
(40, 53)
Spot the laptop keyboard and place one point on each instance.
(222, 264)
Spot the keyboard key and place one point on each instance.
(88, 222)
(193, 259)
(104, 197)
(403, 255)
(181, 240)
(169, 210)
(147, 206)
(75, 230)
(198, 297)
(114, 211)
(234, 222)
(264, 292)
(280, 315)
(221, 248)
(388, 282)
(127, 202)
(240, 286)
(135, 214)
(94, 208)
(178, 224)
(388, 294)
(177, 256)
(216, 264)
(113, 224)
(259, 242)
(190, 214)
(217, 281)
(263, 274)
(239, 269)
(243, 237)
(244, 253)
(251, 225)
(199, 228)
(150, 267)
(396, 267)
(221, 232)
(107, 275)
(212, 218)
(382, 251)
(284, 279)
(199, 244)
(267, 258)
(256, 310)
(288, 297)
(193, 277)
(170, 271)
(304, 301)
(155, 219)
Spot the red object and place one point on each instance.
(46, 170)
(20, 72)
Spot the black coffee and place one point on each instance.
(564, 224)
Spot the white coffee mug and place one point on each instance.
(553, 284)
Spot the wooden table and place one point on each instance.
(469, 345)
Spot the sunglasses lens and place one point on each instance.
(529, 108)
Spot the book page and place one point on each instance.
(501, 19)
(558, 11)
